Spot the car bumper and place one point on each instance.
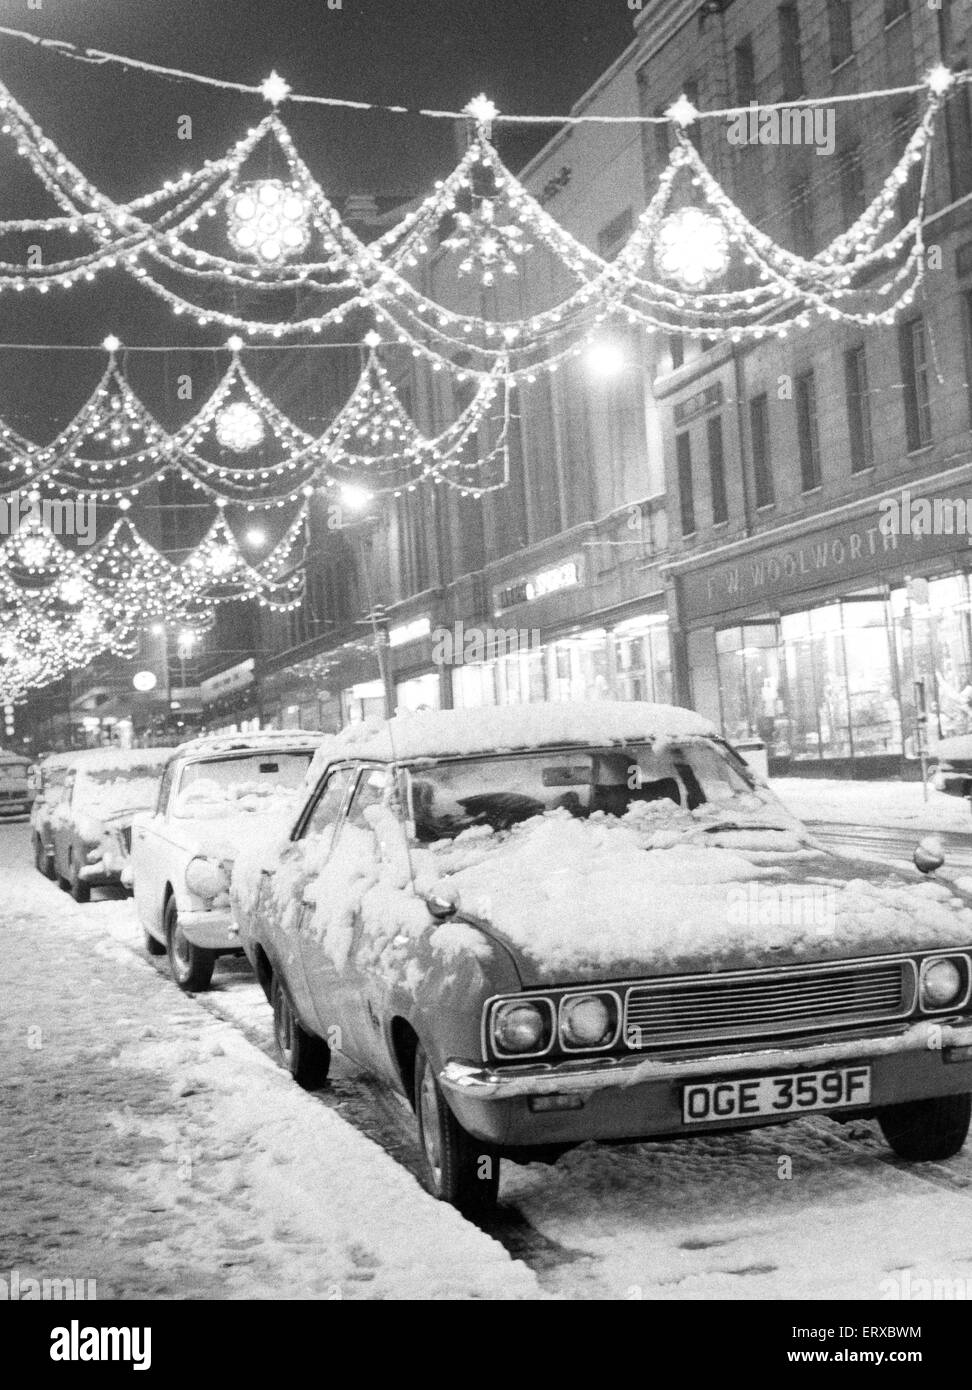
(640, 1097)
(212, 929)
(14, 808)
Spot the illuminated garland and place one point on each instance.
(481, 222)
(114, 446)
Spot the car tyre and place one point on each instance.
(42, 861)
(458, 1168)
(924, 1131)
(154, 947)
(192, 966)
(306, 1057)
(79, 890)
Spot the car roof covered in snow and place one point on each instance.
(108, 759)
(509, 728)
(265, 741)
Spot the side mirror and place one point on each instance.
(929, 854)
(443, 904)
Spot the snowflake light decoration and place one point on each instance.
(693, 248)
(487, 246)
(239, 427)
(268, 220)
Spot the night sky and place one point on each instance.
(120, 127)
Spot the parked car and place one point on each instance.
(952, 773)
(218, 794)
(16, 785)
(103, 791)
(548, 924)
(50, 777)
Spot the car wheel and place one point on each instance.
(922, 1131)
(79, 890)
(192, 966)
(306, 1057)
(458, 1168)
(154, 948)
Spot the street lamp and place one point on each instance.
(605, 358)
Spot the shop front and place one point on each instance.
(846, 650)
(630, 660)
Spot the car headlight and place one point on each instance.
(942, 983)
(206, 878)
(522, 1025)
(588, 1020)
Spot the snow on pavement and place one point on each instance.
(148, 1146)
(888, 804)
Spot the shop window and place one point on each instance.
(421, 693)
(686, 494)
(842, 692)
(809, 440)
(759, 433)
(790, 62)
(717, 471)
(643, 660)
(914, 371)
(933, 641)
(859, 409)
(578, 668)
(841, 31)
(748, 660)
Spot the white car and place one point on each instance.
(218, 795)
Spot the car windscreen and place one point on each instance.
(109, 791)
(500, 791)
(241, 781)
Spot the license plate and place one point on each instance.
(707, 1101)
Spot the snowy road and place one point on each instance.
(148, 1144)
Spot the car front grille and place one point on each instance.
(765, 1003)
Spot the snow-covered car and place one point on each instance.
(16, 785)
(50, 778)
(218, 795)
(549, 924)
(102, 792)
(952, 773)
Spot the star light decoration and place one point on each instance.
(692, 248)
(269, 221)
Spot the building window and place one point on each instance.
(677, 344)
(903, 122)
(801, 219)
(745, 71)
(894, 9)
(841, 31)
(759, 430)
(686, 494)
(809, 441)
(859, 409)
(791, 67)
(717, 471)
(958, 124)
(612, 238)
(914, 372)
(851, 183)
